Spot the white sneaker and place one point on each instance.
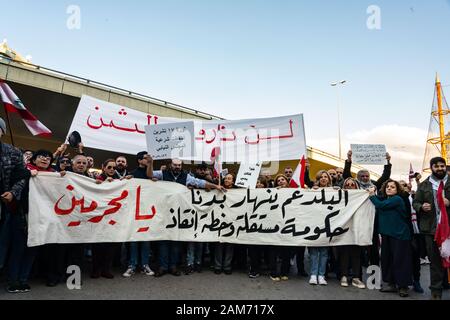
(313, 280)
(358, 283)
(322, 281)
(344, 282)
(146, 269)
(129, 272)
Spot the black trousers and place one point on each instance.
(284, 253)
(396, 261)
(416, 254)
(102, 257)
(374, 250)
(53, 261)
(436, 269)
(300, 253)
(240, 256)
(350, 255)
(255, 253)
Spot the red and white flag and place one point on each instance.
(13, 104)
(298, 178)
(442, 236)
(215, 157)
(411, 173)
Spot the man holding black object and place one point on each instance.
(169, 251)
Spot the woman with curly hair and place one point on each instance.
(393, 225)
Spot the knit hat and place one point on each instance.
(3, 125)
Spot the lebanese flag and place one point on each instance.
(411, 173)
(298, 178)
(215, 157)
(442, 236)
(13, 104)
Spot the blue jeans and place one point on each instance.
(194, 253)
(143, 250)
(21, 258)
(169, 254)
(5, 232)
(319, 259)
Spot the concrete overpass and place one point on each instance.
(53, 97)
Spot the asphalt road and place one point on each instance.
(208, 286)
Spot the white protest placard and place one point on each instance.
(248, 175)
(171, 140)
(369, 154)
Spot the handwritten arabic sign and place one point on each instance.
(170, 141)
(369, 153)
(111, 127)
(248, 175)
(74, 209)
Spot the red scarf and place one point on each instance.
(443, 229)
(31, 166)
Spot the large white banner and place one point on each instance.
(74, 209)
(108, 126)
(112, 127)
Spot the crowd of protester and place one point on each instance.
(403, 237)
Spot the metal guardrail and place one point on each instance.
(66, 76)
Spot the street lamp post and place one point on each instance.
(336, 84)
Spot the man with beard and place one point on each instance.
(334, 177)
(169, 251)
(90, 168)
(340, 176)
(363, 176)
(288, 172)
(121, 167)
(426, 206)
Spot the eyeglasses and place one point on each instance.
(44, 158)
(65, 161)
(110, 167)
